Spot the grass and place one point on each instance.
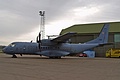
(1, 51)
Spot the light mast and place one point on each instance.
(42, 23)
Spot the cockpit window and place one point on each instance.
(12, 45)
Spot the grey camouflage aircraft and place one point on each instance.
(57, 47)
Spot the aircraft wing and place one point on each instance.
(63, 38)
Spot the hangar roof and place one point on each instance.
(91, 28)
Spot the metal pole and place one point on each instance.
(42, 24)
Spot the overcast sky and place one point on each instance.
(19, 19)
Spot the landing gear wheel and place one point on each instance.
(59, 57)
(51, 57)
(20, 54)
(14, 56)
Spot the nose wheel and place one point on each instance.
(14, 56)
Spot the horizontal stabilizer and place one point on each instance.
(106, 44)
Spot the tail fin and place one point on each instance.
(103, 36)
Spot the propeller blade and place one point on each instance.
(39, 37)
(38, 40)
(39, 45)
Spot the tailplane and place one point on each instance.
(103, 36)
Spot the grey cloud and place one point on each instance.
(18, 17)
(22, 16)
(109, 11)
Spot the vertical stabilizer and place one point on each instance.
(103, 36)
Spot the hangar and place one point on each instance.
(88, 32)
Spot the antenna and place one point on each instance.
(42, 23)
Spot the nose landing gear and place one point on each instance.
(14, 56)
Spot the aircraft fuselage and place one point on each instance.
(56, 50)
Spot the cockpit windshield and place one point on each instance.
(12, 44)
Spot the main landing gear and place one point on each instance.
(14, 56)
(59, 57)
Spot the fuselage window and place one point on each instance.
(48, 48)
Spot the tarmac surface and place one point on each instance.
(34, 67)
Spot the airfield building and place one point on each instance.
(87, 32)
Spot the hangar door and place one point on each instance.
(81, 38)
(117, 40)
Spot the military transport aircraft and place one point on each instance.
(57, 47)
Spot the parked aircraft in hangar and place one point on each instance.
(57, 47)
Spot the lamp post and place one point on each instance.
(42, 23)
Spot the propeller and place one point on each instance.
(38, 40)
